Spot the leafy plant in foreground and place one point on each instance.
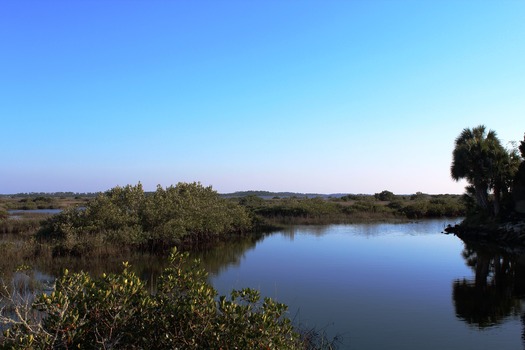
(116, 311)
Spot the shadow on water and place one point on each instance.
(148, 267)
(497, 290)
(226, 254)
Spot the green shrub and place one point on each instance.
(186, 213)
(416, 210)
(116, 311)
(434, 206)
(369, 206)
(385, 196)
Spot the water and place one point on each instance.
(376, 286)
(34, 211)
(382, 286)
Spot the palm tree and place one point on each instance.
(505, 169)
(518, 187)
(480, 158)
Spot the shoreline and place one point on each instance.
(509, 235)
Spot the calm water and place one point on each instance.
(34, 211)
(382, 286)
(377, 286)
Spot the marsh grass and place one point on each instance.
(42, 201)
(351, 209)
(22, 223)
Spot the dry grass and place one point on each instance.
(22, 223)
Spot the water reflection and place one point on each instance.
(495, 292)
(224, 255)
(316, 230)
(147, 267)
(383, 286)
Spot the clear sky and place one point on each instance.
(303, 96)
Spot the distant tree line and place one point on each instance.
(353, 208)
(50, 194)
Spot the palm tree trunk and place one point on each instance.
(497, 200)
(482, 197)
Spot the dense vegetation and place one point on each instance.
(496, 175)
(29, 201)
(116, 311)
(190, 214)
(127, 216)
(384, 206)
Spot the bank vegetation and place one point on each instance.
(116, 311)
(191, 215)
(495, 195)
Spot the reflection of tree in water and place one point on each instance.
(495, 292)
(315, 230)
(147, 267)
(226, 254)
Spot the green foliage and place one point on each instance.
(480, 158)
(37, 202)
(184, 214)
(3, 214)
(353, 208)
(295, 208)
(419, 195)
(518, 186)
(521, 147)
(116, 311)
(385, 196)
(22, 224)
(434, 206)
(395, 204)
(252, 202)
(369, 206)
(352, 197)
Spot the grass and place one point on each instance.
(42, 201)
(352, 209)
(22, 223)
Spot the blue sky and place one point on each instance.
(304, 96)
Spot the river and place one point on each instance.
(373, 286)
(382, 286)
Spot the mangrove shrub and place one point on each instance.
(116, 311)
(185, 213)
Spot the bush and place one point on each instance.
(434, 206)
(298, 210)
(385, 196)
(186, 213)
(369, 206)
(116, 311)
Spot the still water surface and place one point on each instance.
(375, 286)
(382, 286)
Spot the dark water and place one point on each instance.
(383, 286)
